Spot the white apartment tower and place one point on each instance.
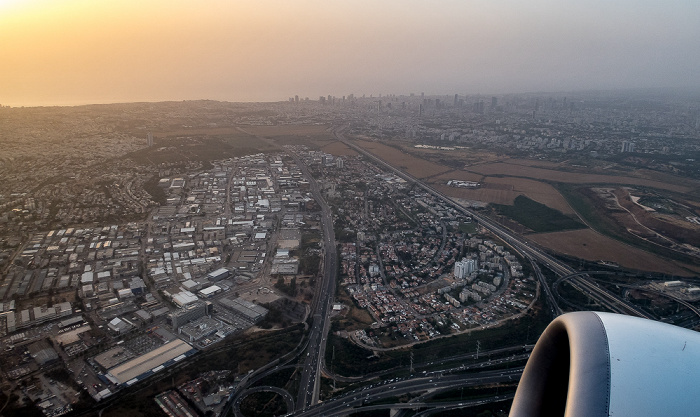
(465, 267)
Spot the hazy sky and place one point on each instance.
(96, 51)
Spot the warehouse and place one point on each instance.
(145, 365)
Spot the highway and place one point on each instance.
(346, 404)
(313, 351)
(309, 385)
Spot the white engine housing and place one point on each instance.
(589, 364)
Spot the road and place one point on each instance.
(346, 404)
(309, 385)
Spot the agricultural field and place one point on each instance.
(506, 169)
(593, 246)
(456, 174)
(417, 167)
(457, 158)
(313, 136)
(536, 190)
(486, 194)
(338, 149)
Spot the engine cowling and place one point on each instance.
(590, 364)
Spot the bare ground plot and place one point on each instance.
(260, 296)
(502, 190)
(314, 136)
(195, 131)
(456, 175)
(685, 232)
(487, 195)
(592, 246)
(339, 149)
(536, 190)
(535, 163)
(459, 157)
(419, 168)
(576, 177)
(288, 130)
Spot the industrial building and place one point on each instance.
(218, 275)
(188, 313)
(244, 309)
(154, 361)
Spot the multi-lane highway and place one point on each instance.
(345, 404)
(309, 384)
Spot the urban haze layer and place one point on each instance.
(332, 256)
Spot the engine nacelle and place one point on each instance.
(589, 364)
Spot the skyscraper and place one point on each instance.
(150, 139)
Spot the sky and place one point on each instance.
(67, 52)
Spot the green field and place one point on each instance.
(536, 216)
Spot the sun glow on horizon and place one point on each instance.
(62, 51)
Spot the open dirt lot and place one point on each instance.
(456, 174)
(338, 149)
(574, 177)
(288, 130)
(592, 246)
(419, 168)
(536, 190)
(501, 190)
(484, 194)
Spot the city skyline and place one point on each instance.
(77, 52)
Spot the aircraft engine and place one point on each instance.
(590, 364)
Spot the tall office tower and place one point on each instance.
(494, 102)
(420, 110)
(150, 139)
(296, 99)
(456, 100)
